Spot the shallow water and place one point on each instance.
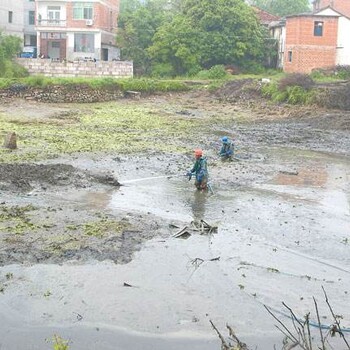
(278, 240)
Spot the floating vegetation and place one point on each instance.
(107, 127)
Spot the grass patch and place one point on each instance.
(141, 85)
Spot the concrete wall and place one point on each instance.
(115, 69)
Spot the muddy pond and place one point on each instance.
(282, 212)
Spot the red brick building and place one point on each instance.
(311, 42)
(71, 30)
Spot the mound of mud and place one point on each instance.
(25, 177)
(238, 91)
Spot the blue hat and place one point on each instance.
(224, 139)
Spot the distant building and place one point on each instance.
(318, 40)
(11, 17)
(265, 18)
(73, 30)
(18, 18)
(278, 32)
(315, 40)
(342, 6)
(29, 32)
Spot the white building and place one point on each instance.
(278, 32)
(73, 30)
(17, 17)
(11, 17)
(343, 44)
(29, 23)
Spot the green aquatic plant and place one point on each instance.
(111, 127)
(16, 220)
(60, 343)
(103, 227)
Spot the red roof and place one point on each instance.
(265, 17)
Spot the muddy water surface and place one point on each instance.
(280, 238)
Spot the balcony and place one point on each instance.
(52, 23)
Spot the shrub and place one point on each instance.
(268, 90)
(162, 70)
(11, 69)
(38, 81)
(291, 94)
(215, 72)
(296, 95)
(5, 83)
(296, 79)
(343, 72)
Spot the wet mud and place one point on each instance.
(88, 248)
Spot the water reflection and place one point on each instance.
(198, 204)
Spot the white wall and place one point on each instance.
(42, 9)
(343, 49)
(17, 25)
(343, 42)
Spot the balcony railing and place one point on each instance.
(52, 22)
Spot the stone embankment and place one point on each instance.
(81, 93)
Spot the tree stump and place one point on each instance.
(11, 140)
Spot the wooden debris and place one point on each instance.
(201, 227)
(11, 141)
(183, 233)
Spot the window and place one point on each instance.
(54, 14)
(318, 28)
(10, 16)
(82, 10)
(32, 40)
(31, 17)
(84, 42)
(290, 56)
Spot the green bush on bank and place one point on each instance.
(339, 72)
(215, 72)
(291, 94)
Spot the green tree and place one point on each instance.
(10, 46)
(208, 33)
(176, 48)
(283, 7)
(138, 22)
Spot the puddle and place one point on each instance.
(315, 177)
(171, 199)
